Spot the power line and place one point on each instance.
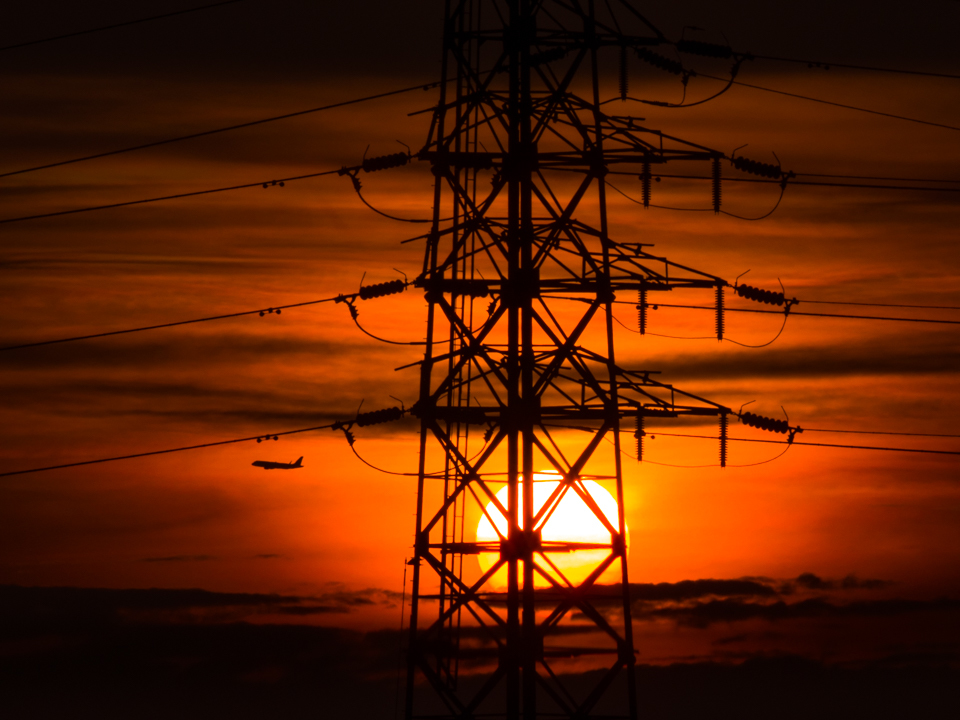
(828, 65)
(795, 182)
(830, 102)
(215, 131)
(331, 172)
(807, 314)
(891, 305)
(814, 444)
(880, 432)
(261, 312)
(268, 183)
(875, 177)
(118, 25)
(367, 292)
(164, 452)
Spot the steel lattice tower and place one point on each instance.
(519, 375)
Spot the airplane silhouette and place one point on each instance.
(267, 465)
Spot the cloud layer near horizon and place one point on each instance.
(113, 649)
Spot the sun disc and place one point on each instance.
(572, 520)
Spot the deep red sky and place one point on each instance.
(207, 519)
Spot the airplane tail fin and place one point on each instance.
(299, 460)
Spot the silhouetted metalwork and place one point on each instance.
(519, 378)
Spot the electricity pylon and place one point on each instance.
(521, 274)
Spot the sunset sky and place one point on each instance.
(830, 555)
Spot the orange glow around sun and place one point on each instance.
(571, 521)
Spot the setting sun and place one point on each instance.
(571, 521)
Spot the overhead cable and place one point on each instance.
(793, 182)
(365, 293)
(261, 312)
(268, 436)
(374, 417)
(118, 25)
(890, 305)
(830, 102)
(871, 68)
(646, 203)
(875, 177)
(710, 465)
(881, 432)
(269, 183)
(815, 444)
(215, 131)
(809, 314)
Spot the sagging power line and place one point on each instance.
(823, 65)
(361, 419)
(258, 438)
(791, 182)
(365, 293)
(821, 101)
(811, 314)
(114, 26)
(816, 444)
(396, 286)
(215, 131)
(278, 182)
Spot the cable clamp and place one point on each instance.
(345, 427)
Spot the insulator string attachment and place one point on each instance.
(659, 61)
(382, 289)
(645, 183)
(384, 162)
(765, 423)
(376, 417)
(705, 49)
(758, 295)
(639, 434)
(720, 313)
(754, 167)
(642, 310)
(723, 439)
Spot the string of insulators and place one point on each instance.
(660, 62)
(639, 435)
(380, 289)
(765, 423)
(764, 296)
(723, 439)
(715, 176)
(385, 161)
(375, 417)
(720, 319)
(548, 56)
(698, 47)
(642, 310)
(754, 167)
(624, 78)
(645, 178)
